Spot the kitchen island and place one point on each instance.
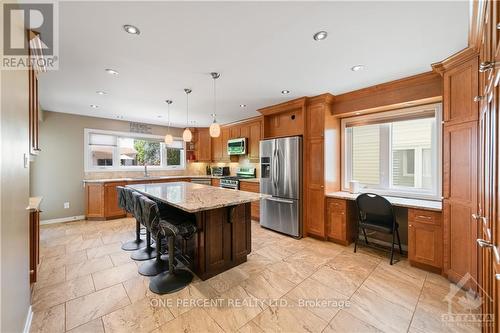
(222, 217)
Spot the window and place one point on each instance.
(394, 153)
(106, 150)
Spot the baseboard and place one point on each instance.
(63, 219)
(29, 317)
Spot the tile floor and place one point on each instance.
(88, 284)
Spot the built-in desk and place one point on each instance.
(425, 234)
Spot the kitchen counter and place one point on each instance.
(194, 198)
(396, 201)
(129, 179)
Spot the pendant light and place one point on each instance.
(168, 138)
(215, 127)
(187, 136)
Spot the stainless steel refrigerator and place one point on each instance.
(281, 177)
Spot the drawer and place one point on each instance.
(249, 186)
(337, 204)
(424, 216)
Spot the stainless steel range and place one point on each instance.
(233, 182)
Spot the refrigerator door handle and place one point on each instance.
(280, 200)
(275, 168)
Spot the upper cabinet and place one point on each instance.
(285, 119)
(203, 145)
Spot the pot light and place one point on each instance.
(320, 35)
(357, 68)
(93, 106)
(243, 105)
(285, 92)
(100, 92)
(131, 29)
(111, 71)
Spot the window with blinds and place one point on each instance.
(106, 150)
(395, 152)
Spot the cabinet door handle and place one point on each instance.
(478, 98)
(424, 217)
(486, 66)
(484, 243)
(476, 216)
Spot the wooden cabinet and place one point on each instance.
(234, 132)
(203, 152)
(255, 206)
(34, 244)
(228, 231)
(314, 165)
(217, 148)
(340, 220)
(216, 182)
(254, 137)
(425, 239)
(111, 208)
(94, 201)
(225, 135)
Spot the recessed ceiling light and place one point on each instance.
(357, 68)
(131, 29)
(285, 92)
(320, 35)
(111, 71)
(243, 105)
(100, 92)
(93, 106)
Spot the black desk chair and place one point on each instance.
(125, 202)
(375, 213)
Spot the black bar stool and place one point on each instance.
(148, 252)
(151, 214)
(174, 279)
(125, 201)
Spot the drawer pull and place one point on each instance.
(484, 243)
(424, 217)
(478, 98)
(486, 66)
(476, 216)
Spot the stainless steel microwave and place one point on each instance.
(237, 146)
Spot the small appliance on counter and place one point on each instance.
(220, 171)
(234, 182)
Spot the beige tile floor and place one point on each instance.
(88, 284)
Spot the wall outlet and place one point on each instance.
(66, 205)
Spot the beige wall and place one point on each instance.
(14, 194)
(57, 173)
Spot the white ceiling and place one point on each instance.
(259, 49)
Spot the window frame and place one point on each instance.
(385, 186)
(88, 167)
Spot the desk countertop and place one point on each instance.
(396, 201)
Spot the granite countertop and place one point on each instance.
(34, 203)
(396, 201)
(194, 198)
(128, 179)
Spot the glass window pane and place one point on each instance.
(139, 152)
(102, 139)
(101, 156)
(366, 154)
(412, 153)
(173, 156)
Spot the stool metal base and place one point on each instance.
(134, 245)
(144, 254)
(154, 266)
(167, 283)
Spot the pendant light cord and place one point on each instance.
(187, 109)
(215, 99)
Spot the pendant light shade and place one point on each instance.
(215, 127)
(187, 136)
(214, 130)
(168, 138)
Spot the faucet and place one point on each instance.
(146, 170)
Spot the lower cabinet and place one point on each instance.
(111, 208)
(252, 187)
(216, 182)
(341, 220)
(425, 239)
(34, 229)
